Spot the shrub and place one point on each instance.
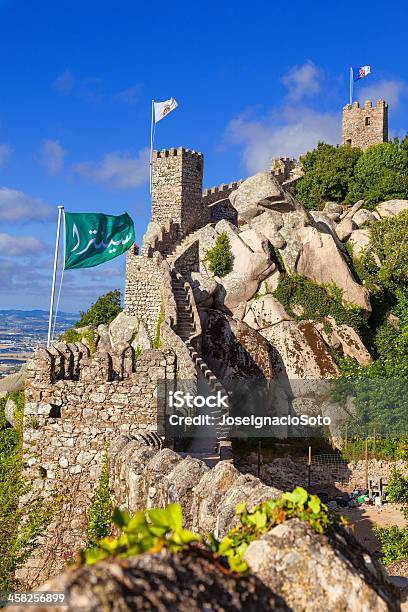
(99, 525)
(20, 527)
(328, 172)
(317, 301)
(389, 240)
(381, 173)
(220, 257)
(103, 311)
(394, 543)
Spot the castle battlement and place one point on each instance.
(180, 152)
(222, 188)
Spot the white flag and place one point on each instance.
(162, 109)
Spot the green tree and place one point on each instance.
(381, 173)
(328, 172)
(220, 257)
(104, 310)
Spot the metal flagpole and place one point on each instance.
(54, 274)
(151, 144)
(351, 85)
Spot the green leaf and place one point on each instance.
(240, 508)
(159, 517)
(225, 545)
(92, 555)
(120, 518)
(135, 522)
(314, 504)
(175, 516)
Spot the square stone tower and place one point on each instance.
(177, 188)
(365, 126)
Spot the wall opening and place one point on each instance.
(55, 412)
(368, 120)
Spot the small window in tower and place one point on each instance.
(367, 120)
(348, 142)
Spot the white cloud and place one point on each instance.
(13, 246)
(64, 83)
(5, 152)
(117, 169)
(52, 156)
(18, 206)
(129, 95)
(302, 81)
(290, 133)
(392, 91)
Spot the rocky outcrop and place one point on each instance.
(360, 241)
(346, 339)
(232, 349)
(122, 328)
(12, 382)
(314, 572)
(264, 312)
(364, 217)
(161, 581)
(255, 194)
(391, 208)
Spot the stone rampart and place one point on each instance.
(76, 403)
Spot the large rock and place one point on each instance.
(204, 287)
(318, 572)
(13, 382)
(122, 328)
(299, 351)
(9, 411)
(360, 241)
(320, 260)
(364, 217)
(142, 340)
(258, 191)
(160, 581)
(344, 229)
(232, 349)
(264, 312)
(391, 208)
(249, 266)
(346, 339)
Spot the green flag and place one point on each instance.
(93, 238)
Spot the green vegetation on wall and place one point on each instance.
(344, 174)
(99, 524)
(220, 257)
(163, 528)
(394, 540)
(20, 527)
(157, 336)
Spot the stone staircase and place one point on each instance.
(185, 327)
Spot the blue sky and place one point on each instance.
(253, 80)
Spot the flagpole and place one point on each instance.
(351, 86)
(54, 274)
(151, 145)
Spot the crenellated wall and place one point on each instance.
(76, 403)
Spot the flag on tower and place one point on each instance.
(360, 73)
(162, 109)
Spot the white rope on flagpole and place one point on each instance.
(54, 274)
(351, 85)
(60, 284)
(152, 131)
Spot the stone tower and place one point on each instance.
(177, 186)
(365, 126)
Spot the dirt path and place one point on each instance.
(364, 517)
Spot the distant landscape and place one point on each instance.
(22, 332)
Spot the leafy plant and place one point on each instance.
(154, 529)
(99, 524)
(394, 543)
(20, 527)
(145, 531)
(160, 319)
(137, 353)
(220, 257)
(70, 335)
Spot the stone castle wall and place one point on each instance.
(75, 406)
(144, 283)
(363, 126)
